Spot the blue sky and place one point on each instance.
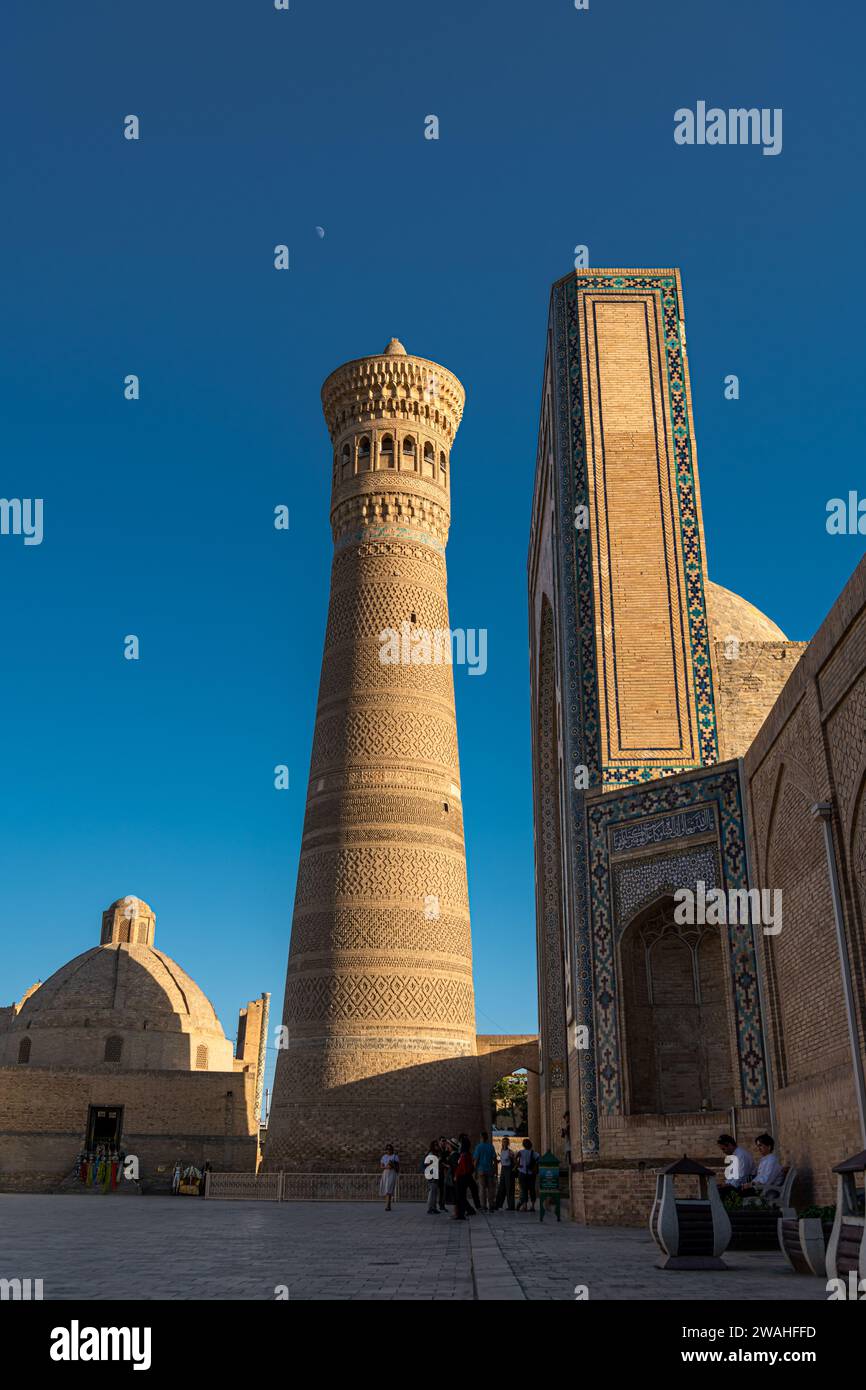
(156, 257)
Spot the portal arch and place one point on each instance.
(675, 1019)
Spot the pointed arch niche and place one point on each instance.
(675, 1023)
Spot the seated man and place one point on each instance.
(769, 1172)
(739, 1167)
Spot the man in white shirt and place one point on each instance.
(769, 1172)
(739, 1165)
(431, 1168)
(505, 1190)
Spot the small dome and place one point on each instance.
(729, 615)
(128, 919)
(132, 904)
(394, 349)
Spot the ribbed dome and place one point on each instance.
(394, 349)
(137, 980)
(729, 615)
(126, 991)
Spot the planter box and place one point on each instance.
(754, 1229)
(804, 1242)
(846, 1252)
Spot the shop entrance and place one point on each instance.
(104, 1126)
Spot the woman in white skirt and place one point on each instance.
(390, 1164)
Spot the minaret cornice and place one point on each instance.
(396, 388)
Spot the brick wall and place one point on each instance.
(812, 749)
(618, 1187)
(167, 1115)
(747, 687)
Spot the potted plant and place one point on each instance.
(753, 1221)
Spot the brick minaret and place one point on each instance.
(379, 1001)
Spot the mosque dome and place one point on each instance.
(122, 1003)
(729, 615)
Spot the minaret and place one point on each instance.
(379, 1002)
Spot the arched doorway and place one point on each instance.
(508, 1072)
(509, 1104)
(676, 1033)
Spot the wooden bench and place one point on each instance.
(755, 1226)
(779, 1194)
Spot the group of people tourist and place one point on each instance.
(100, 1167)
(742, 1173)
(469, 1179)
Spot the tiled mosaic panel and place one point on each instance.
(640, 883)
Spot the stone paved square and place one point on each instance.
(186, 1248)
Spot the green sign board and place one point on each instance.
(548, 1183)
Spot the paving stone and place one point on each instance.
(173, 1248)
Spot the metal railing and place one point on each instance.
(349, 1187)
(255, 1187)
(311, 1187)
